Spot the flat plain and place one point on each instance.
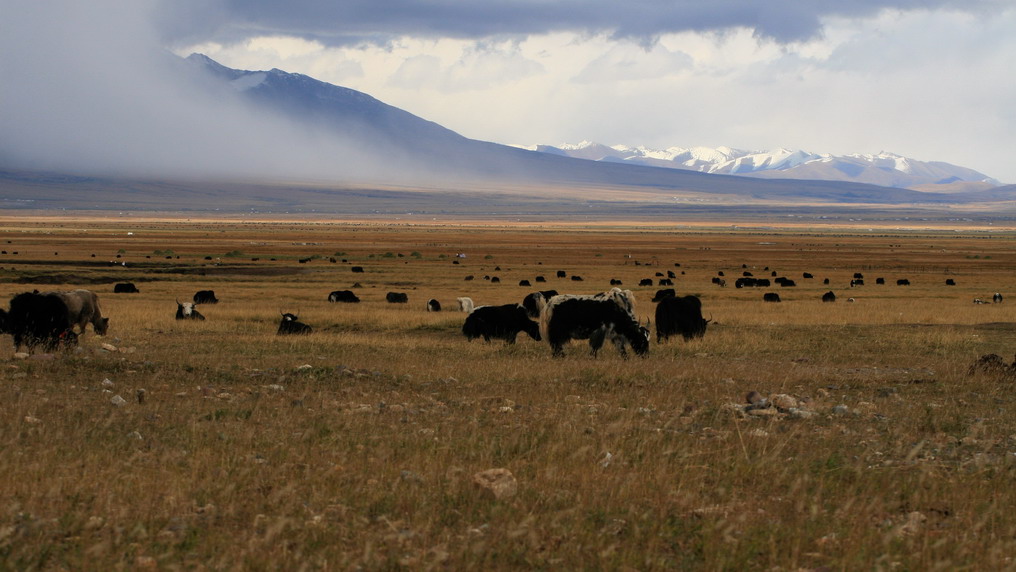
(356, 447)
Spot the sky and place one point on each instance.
(930, 79)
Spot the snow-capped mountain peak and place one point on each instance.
(882, 168)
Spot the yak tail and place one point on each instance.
(546, 313)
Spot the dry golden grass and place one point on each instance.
(355, 447)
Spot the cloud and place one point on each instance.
(465, 66)
(356, 21)
(92, 90)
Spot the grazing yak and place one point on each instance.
(997, 298)
(680, 315)
(205, 297)
(36, 319)
(829, 296)
(346, 296)
(770, 297)
(500, 322)
(609, 315)
(433, 305)
(397, 297)
(291, 324)
(187, 311)
(125, 288)
(83, 309)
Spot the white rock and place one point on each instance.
(118, 401)
(107, 382)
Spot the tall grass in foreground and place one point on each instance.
(355, 447)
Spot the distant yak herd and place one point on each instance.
(56, 319)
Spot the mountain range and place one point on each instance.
(425, 167)
(884, 169)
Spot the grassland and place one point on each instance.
(355, 447)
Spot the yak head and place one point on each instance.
(187, 311)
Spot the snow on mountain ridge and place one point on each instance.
(882, 168)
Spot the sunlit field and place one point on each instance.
(358, 446)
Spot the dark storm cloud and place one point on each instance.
(352, 21)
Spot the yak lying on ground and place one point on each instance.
(397, 297)
(83, 309)
(36, 319)
(770, 297)
(125, 288)
(500, 322)
(346, 296)
(187, 311)
(829, 296)
(680, 315)
(205, 297)
(609, 315)
(433, 305)
(291, 324)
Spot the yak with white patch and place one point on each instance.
(291, 325)
(597, 318)
(187, 311)
(499, 322)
